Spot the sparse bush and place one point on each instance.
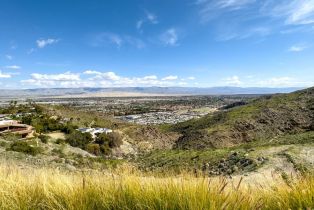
(43, 138)
(11, 137)
(105, 149)
(23, 146)
(93, 149)
(60, 141)
(111, 139)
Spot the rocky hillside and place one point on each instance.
(262, 119)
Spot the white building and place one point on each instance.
(95, 131)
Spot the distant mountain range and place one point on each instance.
(44, 92)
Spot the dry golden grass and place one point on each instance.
(53, 189)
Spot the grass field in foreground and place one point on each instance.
(52, 189)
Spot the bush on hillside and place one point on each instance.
(23, 146)
(78, 139)
(93, 149)
(43, 138)
(111, 139)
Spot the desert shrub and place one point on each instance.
(43, 138)
(78, 139)
(60, 141)
(23, 146)
(68, 128)
(3, 144)
(105, 149)
(93, 149)
(111, 139)
(11, 137)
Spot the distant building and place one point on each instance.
(12, 126)
(95, 131)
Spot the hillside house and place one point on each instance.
(12, 126)
(95, 131)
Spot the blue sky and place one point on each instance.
(199, 43)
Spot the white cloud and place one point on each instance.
(9, 57)
(191, 78)
(209, 9)
(299, 12)
(67, 76)
(170, 37)
(152, 18)
(4, 75)
(244, 33)
(66, 79)
(92, 78)
(234, 80)
(30, 51)
(151, 77)
(139, 24)
(280, 82)
(99, 75)
(294, 12)
(149, 18)
(14, 67)
(41, 43)
(111, 79)
(233, 4)
(170, 77)
(106, 38)
(298, 48)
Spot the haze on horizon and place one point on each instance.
(141, 43)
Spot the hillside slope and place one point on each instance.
(263, 118)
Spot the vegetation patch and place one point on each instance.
(25, 147)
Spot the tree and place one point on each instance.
(79, 139)
(111, 139)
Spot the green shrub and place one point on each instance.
(23, 146)
(60, 141)
(93, 149)
(111, 139)
(43, 138)
(105, 149)
(78, 139)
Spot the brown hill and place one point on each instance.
(263, 118)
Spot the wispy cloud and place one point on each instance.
(241, 19)
(233, 81)
(272, 82)
(41, 43)
(298, 47)
(4, 75)
(9, 57)
(244, 33)
(150, 18)
(210, 8)
(14, 67)
(108, 38)
(296, 12)
(170, 37)
(169, 78)
(233, 4)
(280, 82)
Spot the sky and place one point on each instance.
(128, 43)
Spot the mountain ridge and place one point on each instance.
(228, 90)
